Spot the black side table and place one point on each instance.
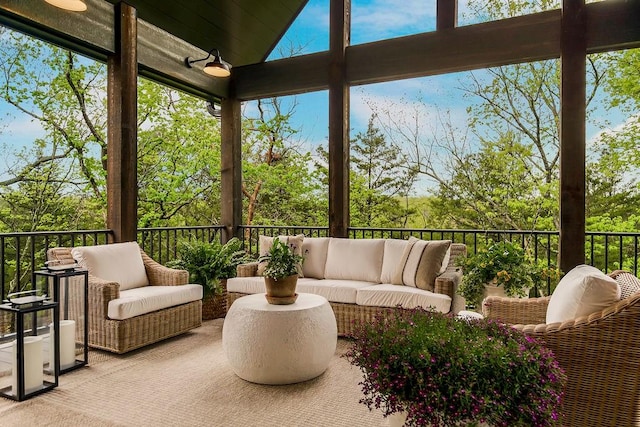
(74, 306)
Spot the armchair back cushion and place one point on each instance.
(117, 262)
(582, 291)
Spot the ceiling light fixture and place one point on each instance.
(215, 68)
(72, 5)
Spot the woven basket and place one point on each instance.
(215, 306)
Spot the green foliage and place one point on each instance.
(207, 263)
(282, 261)
(445, 371)
(502, 264)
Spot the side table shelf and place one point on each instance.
(70, 288)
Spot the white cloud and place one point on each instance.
(380, 19)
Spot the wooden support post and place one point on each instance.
(339, 34)
(446, 14)
(572, 135)
(122, 127)
(231, 168)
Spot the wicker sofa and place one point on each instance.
(356, 276)
(599, 352)
(133, 300)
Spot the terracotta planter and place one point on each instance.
(281, 291)
(215, 306)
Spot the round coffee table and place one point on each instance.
(279, 344)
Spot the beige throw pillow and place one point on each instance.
(423, 263)
(314, 250)
(629, 284)
(265, 243)
(393, 253)
(582, 291)
(397, 277)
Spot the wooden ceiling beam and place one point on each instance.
(536, 37)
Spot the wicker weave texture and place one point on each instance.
(121, 336)
(600, 354)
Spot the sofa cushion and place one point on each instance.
(137, 301)
(424, 263)
(247, 285)
(387, 295)
(344, 291)
(354, 259)
(314, 250)
(393, 253)
(629, 284)
(118, 262)
(582, 291)
(266, 242)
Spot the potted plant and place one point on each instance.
(503, 268)
(444, 371)
(210, 264)
(281, 272)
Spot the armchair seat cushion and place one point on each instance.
(143, 300)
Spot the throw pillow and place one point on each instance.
(629, 284)
(422, 262)
(265, 243)
(393, 253)
(314, 250)
(582, 291)
(397, 277)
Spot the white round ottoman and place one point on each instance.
(279, 344)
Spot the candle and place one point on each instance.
(67, 344)
(33, 361)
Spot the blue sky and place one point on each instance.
(371, 20)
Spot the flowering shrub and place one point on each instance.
(502, 264)
(445, 371)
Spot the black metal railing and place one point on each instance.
(22, 253)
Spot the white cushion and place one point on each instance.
(354, 259)
(314, 250)
(344, 291)
(118, 262)
(582, 291)
(388, 295)
(137, 301)
(246, 285)
(393, 250)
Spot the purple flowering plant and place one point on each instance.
(445, 371)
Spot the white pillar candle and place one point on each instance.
(67, 344)
(33, 362)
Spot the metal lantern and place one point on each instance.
(28, 345)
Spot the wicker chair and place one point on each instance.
(599, 353)
(121, 336)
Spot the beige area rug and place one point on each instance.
(186, 381)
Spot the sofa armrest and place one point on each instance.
(101, 291)
(158, 274)
(516, 311)
(447, 283)
(249, 269)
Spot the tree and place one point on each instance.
(379, 180)
(278, 186)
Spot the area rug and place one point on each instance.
(187, 381)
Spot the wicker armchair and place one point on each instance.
(600, 354)
(121, 336)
